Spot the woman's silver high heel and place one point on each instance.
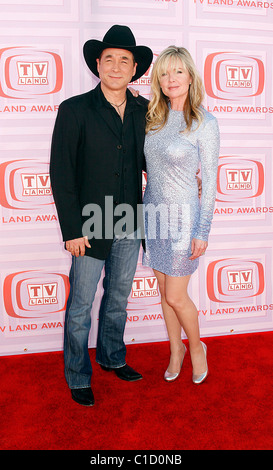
(198, 379)
(171, 377)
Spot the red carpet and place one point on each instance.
(231, 410)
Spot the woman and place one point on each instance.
(180, 134)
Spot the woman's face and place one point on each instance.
(175, 81)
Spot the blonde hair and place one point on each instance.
(158, 109)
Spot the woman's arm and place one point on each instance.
(209, 145)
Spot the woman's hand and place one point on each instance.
(134, 92)
(198, 248)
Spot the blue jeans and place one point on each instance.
(85, 272)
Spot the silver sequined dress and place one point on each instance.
(173, 213)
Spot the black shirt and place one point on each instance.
(126, 171)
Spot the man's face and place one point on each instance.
(116, 68)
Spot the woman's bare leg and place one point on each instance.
(173, 328)
(179, 311)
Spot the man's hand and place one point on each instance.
(77, 246)
(198, 248)
(199, 182)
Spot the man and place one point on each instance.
(97, 159)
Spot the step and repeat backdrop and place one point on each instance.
(41, 64)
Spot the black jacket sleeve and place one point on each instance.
(63, 172)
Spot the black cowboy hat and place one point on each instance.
(118, 37)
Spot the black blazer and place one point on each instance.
(83, 164)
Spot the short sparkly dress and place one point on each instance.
(173, 212)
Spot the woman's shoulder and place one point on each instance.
(207, 116)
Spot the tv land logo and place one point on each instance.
(240, 279)
(146, 78)
(36, 184)
(239, 179)
(28, 73)
(25, 184)
(231, 280)
(239, 76)
(32, 73)
(42, 294)
(35, 294)
(232, 76)
(144, 287)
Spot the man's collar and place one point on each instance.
(101, 101)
